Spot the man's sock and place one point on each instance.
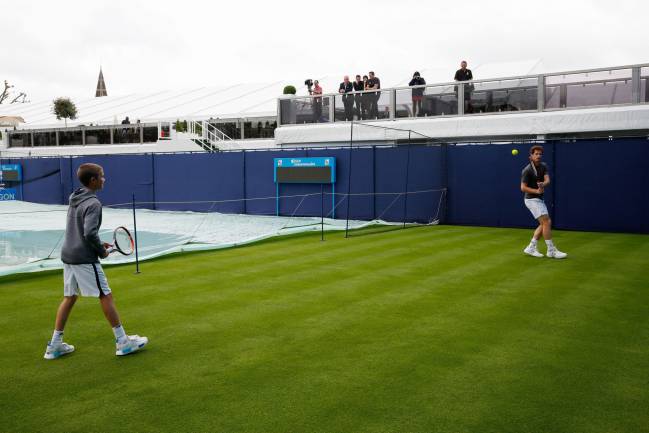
(57, 336)
(533, 242)
(120, 334)
(549, 243)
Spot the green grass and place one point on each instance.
(430, 329)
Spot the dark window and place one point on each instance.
(70, 138)
(150, 134)
(97, 136)
(231, 129)
(19, 139)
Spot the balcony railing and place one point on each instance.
(621, 85)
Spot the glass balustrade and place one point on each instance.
(588, 89)
(425, 101)
(644, 85)
(594, 88)
(310, 109)
(501, 96)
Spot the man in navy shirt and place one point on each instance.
(374, 84)
(465, 74)
(534, 179)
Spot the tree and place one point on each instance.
(289, 90)
(6, 94)
(63, 108)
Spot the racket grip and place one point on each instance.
(110, 250)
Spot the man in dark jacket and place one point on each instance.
(417, 93)
(465, 74)
(348, 100)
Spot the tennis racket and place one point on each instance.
(122, 242)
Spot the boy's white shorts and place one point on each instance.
(536, 206)
(85, 280)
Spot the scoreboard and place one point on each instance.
(305, 170)
(10, 173)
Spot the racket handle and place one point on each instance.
(110, 250)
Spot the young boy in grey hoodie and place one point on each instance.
(82, 273)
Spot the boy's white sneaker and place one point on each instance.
(132, 344)
(56, 350)
(556, 254)
(532, 251)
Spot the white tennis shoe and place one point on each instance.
(56, 350)
(132, 344)
(556, 254)
(531, 250)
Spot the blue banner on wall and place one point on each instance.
(7, 194)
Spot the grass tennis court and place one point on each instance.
(429, 329)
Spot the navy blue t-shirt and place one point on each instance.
(531, 177)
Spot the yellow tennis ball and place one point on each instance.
(514, 151)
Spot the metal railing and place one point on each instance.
(207, 135)
(614, 86)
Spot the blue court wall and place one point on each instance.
(602, 185)
(484, 185)
(597, 185)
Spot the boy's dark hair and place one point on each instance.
(535, 148)
(86, 172)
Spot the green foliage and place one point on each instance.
(181, 126)
(64, 108)
(289, 90)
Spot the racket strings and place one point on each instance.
(123, 241)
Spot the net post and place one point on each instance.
(137, 258)
(321, 212)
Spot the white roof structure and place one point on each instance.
(244, 100)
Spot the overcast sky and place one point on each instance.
(55, 48)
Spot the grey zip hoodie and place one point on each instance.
(82, 243)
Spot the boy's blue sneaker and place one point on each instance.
(56, 350)
(132, 344)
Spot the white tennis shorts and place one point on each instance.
(537, 207)
(85, 280)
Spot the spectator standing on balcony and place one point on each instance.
(348, 100)
(359, 86)
(373, 83)
(365, 98)
(125, 131)
(417, 93)
(465, 74)
(317, 102)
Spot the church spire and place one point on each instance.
(101, 86)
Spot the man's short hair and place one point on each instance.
(86, 172)
(535, 148)
(372, 72)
